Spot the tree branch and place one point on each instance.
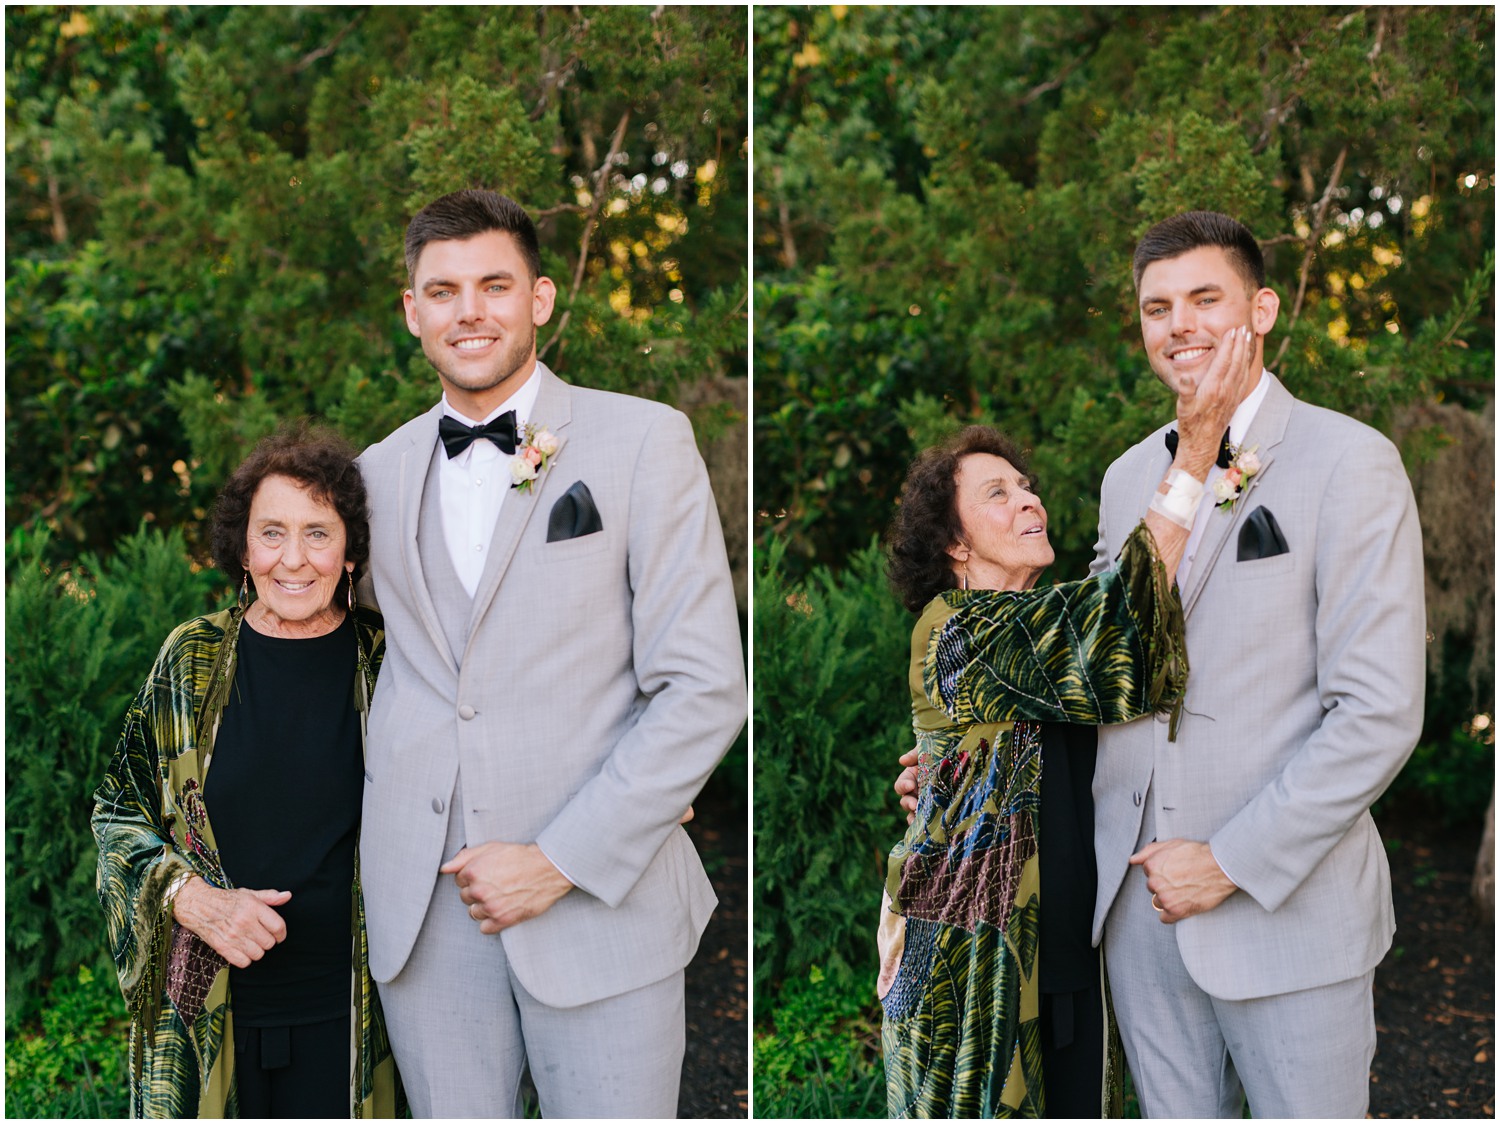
(1312, 246)
(601, 182)
(326, 49)
(54, 195)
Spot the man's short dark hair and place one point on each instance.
(466, 214)
(918, 565)
(1180, 234)
(318, 459)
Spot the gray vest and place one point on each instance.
(452, 601)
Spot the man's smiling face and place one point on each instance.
(476, 309)
(1189, 304)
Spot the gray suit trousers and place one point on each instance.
(618, 1057)
(1302, 1054)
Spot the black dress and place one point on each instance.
(284, 789)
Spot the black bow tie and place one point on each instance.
(457, 437)
(1225, 449)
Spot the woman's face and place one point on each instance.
(294, 550)
(1004, 541)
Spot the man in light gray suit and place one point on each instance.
(1242, 948)
(562, 673)
(1244, 897)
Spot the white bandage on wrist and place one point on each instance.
(1180, 504)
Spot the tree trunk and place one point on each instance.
(1482, 889)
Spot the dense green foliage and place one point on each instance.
(204, 218)
(205, 209)
(831, 715)
(946, 200)
(73, 1065)
(79, 644)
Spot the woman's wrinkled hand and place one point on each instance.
(240, 925)
(1205, 407)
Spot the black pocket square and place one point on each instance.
(1260, 537)
(574, 515)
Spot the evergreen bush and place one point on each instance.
(832, 714)
(73, 1067)
(80, 642)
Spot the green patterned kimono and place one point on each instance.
(959, 934)
(151, 825)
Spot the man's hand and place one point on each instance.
(240, 925)
(504, 884)
(906, 784)
(1183, 878)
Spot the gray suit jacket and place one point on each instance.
(1304, 701)
(602, 683)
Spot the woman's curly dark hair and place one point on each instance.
(926, 524)
(311, 455)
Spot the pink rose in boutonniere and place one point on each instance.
(539, 446)
(1242, 466)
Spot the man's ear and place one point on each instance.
(409, 299)
(1266, 307)
(543, 297)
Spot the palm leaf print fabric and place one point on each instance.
(961, 1031)
(151, 825)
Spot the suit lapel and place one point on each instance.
(1266, 431)
(412, 477)
(553, 410)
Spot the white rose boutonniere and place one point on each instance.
(1227, 488)
(539, 445)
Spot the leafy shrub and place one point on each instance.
(819, 1054)
(831, 714)
(1448, 776)
(74, 1067)
(79, 644)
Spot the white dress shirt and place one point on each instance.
(1239, 425)
(473, 485)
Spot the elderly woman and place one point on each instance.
(231, 894)
(994, 999)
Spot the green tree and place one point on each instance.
(206, 209)
(945, 204)
(946, 201)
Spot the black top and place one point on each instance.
(1070, 877)
(283, 791)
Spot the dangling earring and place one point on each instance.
(350, 575)
(965, 577)
(245, 592)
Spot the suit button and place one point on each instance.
(1137, 799)
(466, 712)
(437, 805)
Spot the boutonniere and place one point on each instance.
(1243, 464)
(539, 445)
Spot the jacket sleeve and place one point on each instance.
(137, 861)
(1370, 632)
(687, 662)
(1103, 650)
